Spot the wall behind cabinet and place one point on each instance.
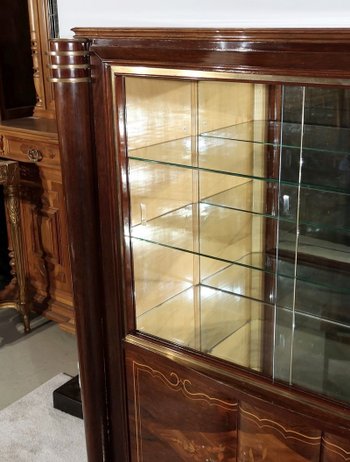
(202, 13)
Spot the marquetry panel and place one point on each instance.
(335, 449)
(178, 414)
(267, 433)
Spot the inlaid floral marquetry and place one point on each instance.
(179, 418)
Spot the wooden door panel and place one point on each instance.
(267, 433)
(178, 414)
(335, 449)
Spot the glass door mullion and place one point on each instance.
(275, 289)
(297, 238)
(195, 216)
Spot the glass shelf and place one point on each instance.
(245, 159)
(318, 138)
(251, 274)
(178, 229)
(216, 328)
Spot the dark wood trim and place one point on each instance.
(79, 180)
(112, 256)
(285, 35)
(124, 201)
(294, 52)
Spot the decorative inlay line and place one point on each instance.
(336, 449)
(182, 385)
(177, 385)
(138, 429)
(287, 434)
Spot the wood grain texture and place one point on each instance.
(73, 103)
(335, 449)
(272, 434)
(178, 414)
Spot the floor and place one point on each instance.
(27, 361)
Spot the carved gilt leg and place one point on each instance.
(11, 190)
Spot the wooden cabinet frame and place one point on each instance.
(101, 272)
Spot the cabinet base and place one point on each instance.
(67, 398)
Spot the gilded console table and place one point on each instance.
(9, 178)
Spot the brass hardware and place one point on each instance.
(69, 66)
(71, 80)
(68, 53)
(34, 155)
(9, 178)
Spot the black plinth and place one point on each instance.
(67, 398)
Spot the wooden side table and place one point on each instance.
(9, 178)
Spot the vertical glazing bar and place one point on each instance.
(297, 238)
(275, 298)
(195, 216)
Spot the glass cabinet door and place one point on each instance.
(239, 223)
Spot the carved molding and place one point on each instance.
(38, 20)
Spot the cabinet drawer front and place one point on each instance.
(31, 151)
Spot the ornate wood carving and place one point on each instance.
(9, 178)
(43, 216)
(39, 32)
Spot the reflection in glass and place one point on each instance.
(239, 228)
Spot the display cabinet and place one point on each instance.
(238, 232)
(216, 186)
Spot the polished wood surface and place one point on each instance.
(298, 424)
(178, 414)
(182, 415)
(73, 102)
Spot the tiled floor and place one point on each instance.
(27, 361)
